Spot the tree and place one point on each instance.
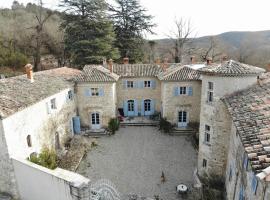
(180, 37)
(212, 51)
(89, 35)
(152, 45)
(130, 23)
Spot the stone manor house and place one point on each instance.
(230, 101)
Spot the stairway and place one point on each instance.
(183, 131)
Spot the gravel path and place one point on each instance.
(135, 157)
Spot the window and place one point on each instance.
(210, 92)
(204, 163)
(147, 105)
(95, 118)
(207, 134)
(182, 116)
(29, 141)
(70, 95)
(230, 173)
(94, 92)
(147, 84)
(183, 90)
(130, 105)
(130, 84)
(53, 104)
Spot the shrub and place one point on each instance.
(47, 158)
(113, 125)
(165, 125)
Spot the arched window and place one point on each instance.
(29, 141)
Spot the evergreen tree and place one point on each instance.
(89, 35)
(130, 23)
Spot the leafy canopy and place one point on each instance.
(89, 35)
(130, 23)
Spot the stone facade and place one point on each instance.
(215, 115)
(7, 177)
(46, 130)
(172, 104)
(138, 93)
(104, 103)
(240, 175)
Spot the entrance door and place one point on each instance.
(131, 108)
(182, 119)
(147, 107)
(95, 119)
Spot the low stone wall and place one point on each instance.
(36, 182)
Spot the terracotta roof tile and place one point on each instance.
(231, 68)
(18, 92)
(137, 70)
(250, 111)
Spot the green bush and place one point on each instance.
(165, 125)
(113, 125)
(47, 158)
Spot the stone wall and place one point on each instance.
(237, 175)
(42, 126)
(215, 115)
(105, 105)
(7, 176)
(172, 104)
(139, 94)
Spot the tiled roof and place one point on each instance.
(180, 73)
(18, 92)
(250, 111)
(137, 70)
(231, 68)
(96, 73)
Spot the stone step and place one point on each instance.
(123, 124)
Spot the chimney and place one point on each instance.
(165, 64)
(192, 60)
(125, 60)
(29, 72)
(110, 64)
(224, 58)
(209, 61)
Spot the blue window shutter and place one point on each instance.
(152, 106)
(135, 84)
(153, 84)
(245, 161)
(124, 83)
(142, 107)
(101, 92)
(176, 91)
(87, 92)
(190, 91)
(76, 124)
(140, 84)
(241, 193)
(254, 184)
(125, 108)
(135, 107)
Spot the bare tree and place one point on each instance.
(180, 37)
(39, 31)
(213, 51)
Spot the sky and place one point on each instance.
(208, 17)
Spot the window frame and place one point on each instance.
(147, 84)
(130, 84)
(207, 135)
(147, 105)
(70, 95)
(29, 141)
(204, 163)
(95, 92)
(183, 90)
(210, 92)
(53, 105)
(130, 105)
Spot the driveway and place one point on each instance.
(135, 157)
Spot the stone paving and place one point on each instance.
(135, 158)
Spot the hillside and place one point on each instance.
(249, 47)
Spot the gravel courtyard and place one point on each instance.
(135, 157)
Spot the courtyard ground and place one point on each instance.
(135, 158)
